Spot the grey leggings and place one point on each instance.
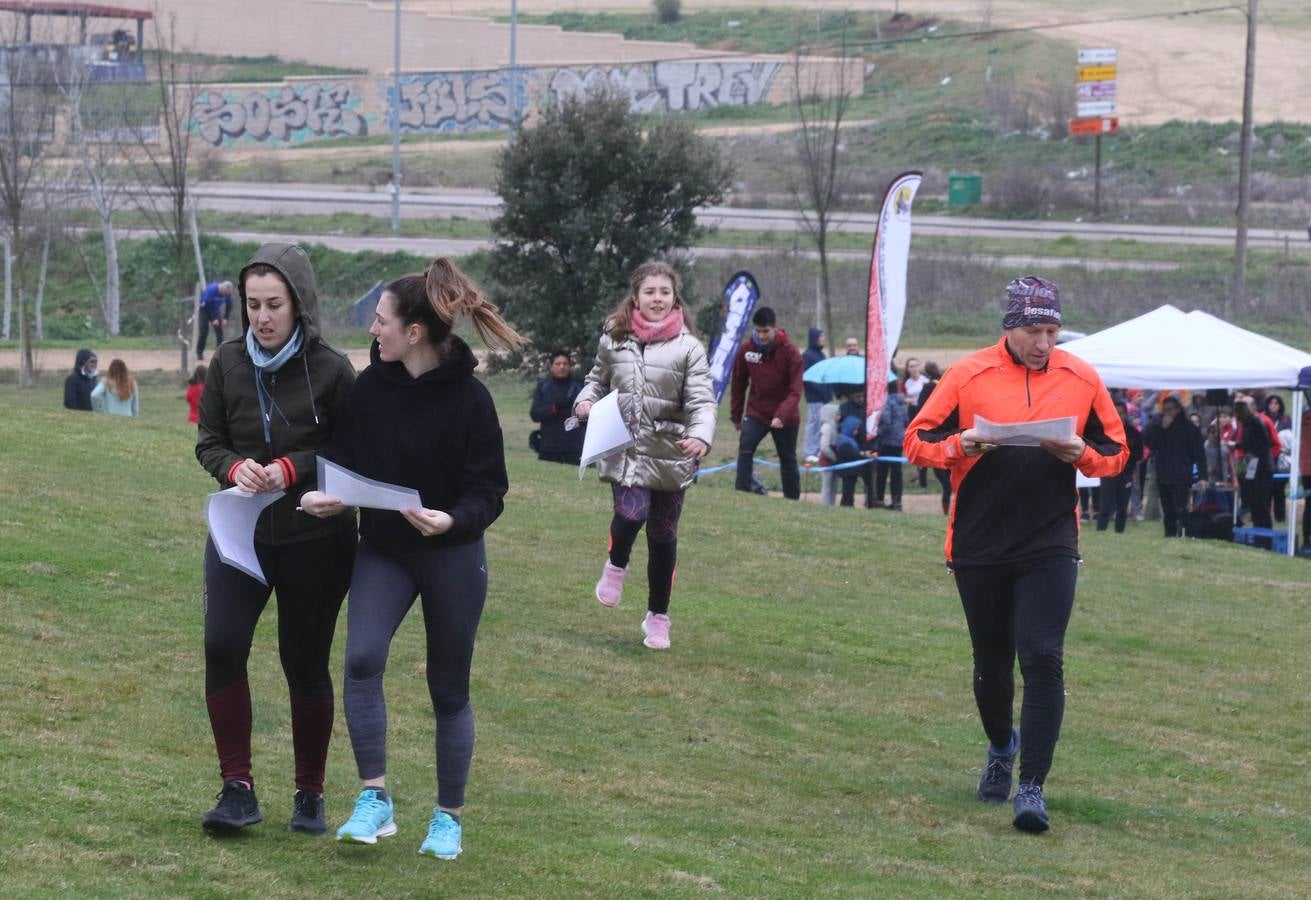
(452, 584)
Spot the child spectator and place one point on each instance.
(195, 390)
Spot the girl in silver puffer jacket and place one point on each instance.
(651, 357)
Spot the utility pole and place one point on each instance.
(514, 66)
(396, 125)
(1239, 294)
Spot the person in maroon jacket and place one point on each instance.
(772, 364)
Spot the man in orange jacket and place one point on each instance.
(1013, 530)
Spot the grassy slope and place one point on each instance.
(811, 732)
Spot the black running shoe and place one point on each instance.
(995, 784)
(236, 808)
(307, 816)
(1031, 809)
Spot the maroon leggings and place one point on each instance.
(659, 511)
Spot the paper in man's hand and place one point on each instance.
(1024, 434)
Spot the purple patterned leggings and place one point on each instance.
(659, 511)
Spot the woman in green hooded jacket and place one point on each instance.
(273, 398)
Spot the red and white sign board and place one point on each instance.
(1099, 125)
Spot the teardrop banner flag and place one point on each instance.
(886, 307)
(740, 297)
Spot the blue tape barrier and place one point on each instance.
(771, 464)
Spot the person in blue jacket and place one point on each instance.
(215, 307)
(888, 441)
(816, 394)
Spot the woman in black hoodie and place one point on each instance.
(272, 401)
(418, 418)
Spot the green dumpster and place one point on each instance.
(964, 190)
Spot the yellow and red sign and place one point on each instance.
(1095, 73)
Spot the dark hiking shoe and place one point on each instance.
(307, 815)
(236, 808)
(1031, 809)
(995, 783)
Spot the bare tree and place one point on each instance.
(96, 137)
(162, 148)
(818, 180)
(29, 100)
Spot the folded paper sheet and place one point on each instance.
(1024, 434)
(356, 490)
(606, 431)
(231, 516)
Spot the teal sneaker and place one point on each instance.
(443, 839)
(371, 820)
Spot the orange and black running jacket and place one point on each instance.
(1013, 504)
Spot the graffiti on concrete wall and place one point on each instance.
(464, 101)
(673, 86)
(455, 101)
(293, 113)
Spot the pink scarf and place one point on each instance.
(666, 329)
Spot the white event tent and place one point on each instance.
(1168, 348)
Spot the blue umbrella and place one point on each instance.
(837, 370)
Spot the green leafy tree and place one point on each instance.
(668, 11)
(588, 195)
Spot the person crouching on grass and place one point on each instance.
(650, 355)
(1013, 531)
(417, 417)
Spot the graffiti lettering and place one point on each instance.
(673, 86)
(289, 113)
(455, 101)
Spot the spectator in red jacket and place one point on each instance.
(772, 364)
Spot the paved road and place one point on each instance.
(461, 246)
(269, 199)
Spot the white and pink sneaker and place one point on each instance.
(656, 628)
(610, 588)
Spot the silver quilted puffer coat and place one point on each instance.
(665, 395)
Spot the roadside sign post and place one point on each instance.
(1095, 106)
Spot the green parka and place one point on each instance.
(309, 397)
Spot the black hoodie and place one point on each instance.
(437, 433)
(78, 386)
(309, 394)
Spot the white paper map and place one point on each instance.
(1024, 434)
(231, 516)
(606, 431)
(356, 490)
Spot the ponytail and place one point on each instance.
(453, 294)
(440, 296)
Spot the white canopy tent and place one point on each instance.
(1168, 348)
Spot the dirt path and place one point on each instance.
(325, 150)
(50, 362)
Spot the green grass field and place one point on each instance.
(811, 733)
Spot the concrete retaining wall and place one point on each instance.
(302, 110)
